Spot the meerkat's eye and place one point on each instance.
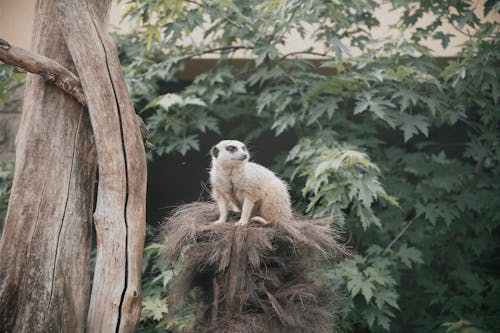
(244, 148)
(231, 149)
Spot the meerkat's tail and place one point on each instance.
(260, 219)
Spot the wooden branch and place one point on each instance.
(56, 74)
(401, 232)
(309, 51)
(47, 68)
(214, 50)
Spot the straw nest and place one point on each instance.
(253, 278)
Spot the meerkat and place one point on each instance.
(246, 187)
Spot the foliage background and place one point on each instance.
(402, 145)
(11, 78)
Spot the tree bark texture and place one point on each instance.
(236, 280)
(120, 211)
(45, 247)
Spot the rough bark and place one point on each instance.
(45, 247)
(120, 211)
(236, 279)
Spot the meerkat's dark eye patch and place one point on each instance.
(243, 148)
(231, 149)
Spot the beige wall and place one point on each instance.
(16, 21)
(16, 17)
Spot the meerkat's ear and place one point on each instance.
(214, 151)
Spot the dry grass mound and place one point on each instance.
(253, 278)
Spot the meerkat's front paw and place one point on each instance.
(219, 221)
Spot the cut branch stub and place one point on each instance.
(235, 293)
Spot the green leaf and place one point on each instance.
(354, 285)
(284, 122)
(409, 255)
(167, 100)
(366, 189)
(367, 217)
(367, 290)
(489, 6)
(384, 321)
(412, 124)
(377, 105)
(205, 122)
(445, 38)
(406, 96)
(155, 308)
(386, 296)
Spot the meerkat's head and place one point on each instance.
(229, 153)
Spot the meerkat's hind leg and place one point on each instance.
(260, 219)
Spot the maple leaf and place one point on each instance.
(412, 124)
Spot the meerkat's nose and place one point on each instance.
(244, 156)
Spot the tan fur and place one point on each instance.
(256, 191)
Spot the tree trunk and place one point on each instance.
(121, 208)
(45, 247)
(47, 223)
